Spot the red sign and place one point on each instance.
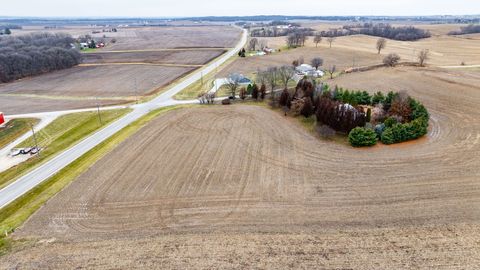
(2, 119)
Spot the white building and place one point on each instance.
(308, 70)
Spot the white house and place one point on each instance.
(308, 70)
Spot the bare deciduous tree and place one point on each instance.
(233, 83)
(381, 44)
(330, 40)
(261, 77)
(252, 45)
(272, 77)
(285, 74)
(423, 56)
(391, 60)
(331, 70)
(317, 39)
(317, 62)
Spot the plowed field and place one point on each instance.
(244, 187)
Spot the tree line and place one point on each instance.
(403, 33)
(470, 29)
(33, 54)
(280, 32)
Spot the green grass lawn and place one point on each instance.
(58, 136)
(14, 129)
(18, 211)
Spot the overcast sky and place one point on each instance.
(181, 8)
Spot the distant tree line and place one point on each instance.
(34, 54)
(470, 29)
(404, 33)
(274, 31)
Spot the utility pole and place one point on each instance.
(35, 139)
(98, 112)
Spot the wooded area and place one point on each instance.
(33, 54)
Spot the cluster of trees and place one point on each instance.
(403, 33)
(340, 116)
(413, 124)
(5, 29)
(297, 38)
(34, 54)
(353, 98)
(392, 59)
(274, 31)
(470, 29)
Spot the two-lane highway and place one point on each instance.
(53, 166)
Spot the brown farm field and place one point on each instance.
(154, 56)
(172, 57)
(176, 37)
(97, 81)
(245, 187)
(341, 57)
(444, 50)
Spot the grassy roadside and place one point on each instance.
(203, 85)
(59, 135)
(18, 211)
(14, 129)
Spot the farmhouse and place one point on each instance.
(308, 70)
(244, 80)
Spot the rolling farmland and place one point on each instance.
(154, 57)
(254, 180)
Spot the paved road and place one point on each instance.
(45, 171)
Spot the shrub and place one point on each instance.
(307, 109)
(360, 136)
(418, 110)
(378, 98)
(379, 130)
(391, 60)
(389, 122)
(401, 107)
(405, 132)
(255, 92)
(226, 101)
(263, 91)
(284, 97)
(243, 93)
(297, 106)
(369, 115)
(249, 89)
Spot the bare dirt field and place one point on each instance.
(244, 187)
(137, 38)
(25, 104)
(176, 37)
(97, 81)
(187, 57)
(444, 50)
(154, 56)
